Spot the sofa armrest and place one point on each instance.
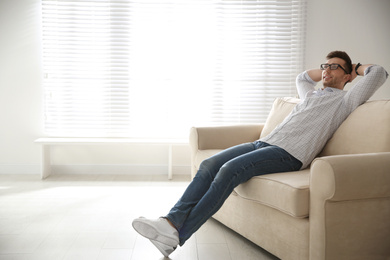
(350, 206)
(220, 137)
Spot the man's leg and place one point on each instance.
(265, 160)
(202, 181)
(160, 231)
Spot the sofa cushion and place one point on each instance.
(287, 192)
(348, 137)
(364, 131)
(281, 108)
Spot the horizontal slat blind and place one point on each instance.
(154, 68)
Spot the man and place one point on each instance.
(291, 146)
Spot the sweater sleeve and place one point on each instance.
(374, 77)
(304, 84)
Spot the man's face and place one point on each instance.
(335, 78)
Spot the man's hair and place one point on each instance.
(344, 56)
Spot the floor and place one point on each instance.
(89, 217)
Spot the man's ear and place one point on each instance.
(348, 77)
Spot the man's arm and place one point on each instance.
(360, 69)
(315, 74)
(304, 84)
(374, 76)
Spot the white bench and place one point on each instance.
(47, 142)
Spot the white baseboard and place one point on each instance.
(96, 169)
(118, 169)
(20, 169)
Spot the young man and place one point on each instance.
(291, 146)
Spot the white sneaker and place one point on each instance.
(164, 249)
(158, 230)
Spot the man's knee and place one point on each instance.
(208, 169)
(227, 170)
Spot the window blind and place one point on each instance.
(154, 68)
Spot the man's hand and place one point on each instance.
(361, 70)
(353, 73)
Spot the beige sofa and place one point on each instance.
(337, 209)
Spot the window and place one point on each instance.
(154, 68)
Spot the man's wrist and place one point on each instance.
(357, 67)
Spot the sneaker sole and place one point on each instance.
(152, 233)
(165, 253)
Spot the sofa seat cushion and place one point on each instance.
(287, 192)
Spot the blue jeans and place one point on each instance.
(219, 175)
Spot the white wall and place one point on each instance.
(21, 109)
(20, 85)
(359, 27)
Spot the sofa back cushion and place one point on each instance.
(281, 108)
(366, 130)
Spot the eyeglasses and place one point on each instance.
(333, 66)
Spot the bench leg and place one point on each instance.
(46, 164)
(170, 164)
